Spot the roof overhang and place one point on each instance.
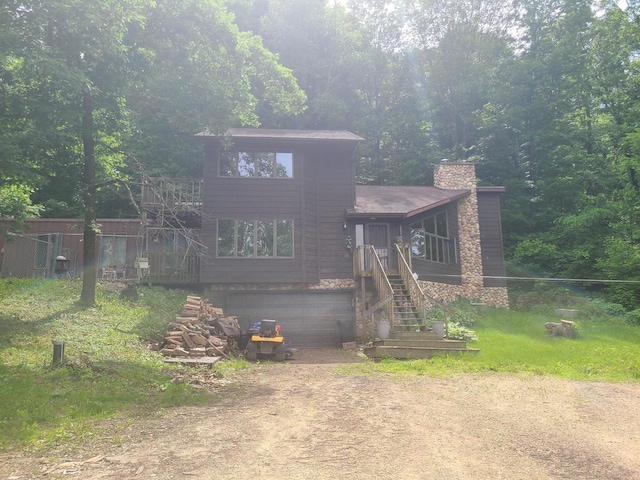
(285, 135)
(390, 202)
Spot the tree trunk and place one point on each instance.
(89, 274)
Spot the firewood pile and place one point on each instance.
(201, 330)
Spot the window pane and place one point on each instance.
(113, 251)
(430, 225)
(246, 238)
(284, 165)
(417, 242)
(264, 239)
(264, 164)
(285, 238)
(440, 242)
(441, 225)
(429, 248)
(225, 238)
(246, 165)
(226, 167)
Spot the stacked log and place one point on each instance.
(201, 330)
(563, 328)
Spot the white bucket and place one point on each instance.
(383, 329)
(438, 329)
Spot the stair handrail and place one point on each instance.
(421, 300)
(380, 280)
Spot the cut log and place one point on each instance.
(188, 340)
(216, 342)
(198, 339)
(187, 320)
(213, 351)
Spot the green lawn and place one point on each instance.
(516, 341)
(108, 372)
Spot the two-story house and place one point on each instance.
(293, 238)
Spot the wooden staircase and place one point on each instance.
(406, 315)
(404, 303)
(416, 345)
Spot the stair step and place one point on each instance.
(406, 353)
(432, 343)
(416, 335)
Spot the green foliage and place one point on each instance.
(15, 202)
(108, 372)
(456, 331)
(460, 316)
(542, 95)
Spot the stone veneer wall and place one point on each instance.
(459, 176)
(492, 296)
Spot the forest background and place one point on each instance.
(544, 95)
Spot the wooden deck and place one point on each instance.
(409, 346)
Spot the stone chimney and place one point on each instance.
(462, 176)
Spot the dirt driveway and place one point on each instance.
(306, 420)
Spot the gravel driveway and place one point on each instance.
(306, 420)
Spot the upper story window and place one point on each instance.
(256, 164)
(430, 240)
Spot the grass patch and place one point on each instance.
(108, 370)
(516, 341)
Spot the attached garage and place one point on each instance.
(308, 319)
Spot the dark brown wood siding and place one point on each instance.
(491, 239)
(311, 272)
(315, 199)
(434, 271)
(335, 184)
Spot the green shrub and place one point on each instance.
(460, 332)
(633, 317)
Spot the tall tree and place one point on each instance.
(84, 58)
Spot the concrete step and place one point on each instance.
(415, 335)
(411, 353)
(408, 342)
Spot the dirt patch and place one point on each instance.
(305, 419)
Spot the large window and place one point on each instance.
(256, 164)
(430, 240)
(113, 251)
(255, 238)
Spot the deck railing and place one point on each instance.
(420, 299)
(366, 261)
(173, 193)
(172, 268)
(416, 293)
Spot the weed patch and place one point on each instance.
(108, 371)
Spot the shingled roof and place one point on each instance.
(385, 201)
(282, 134)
